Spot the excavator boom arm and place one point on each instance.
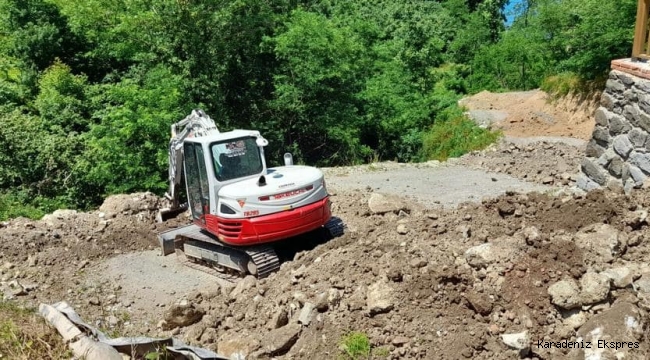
(196, 124)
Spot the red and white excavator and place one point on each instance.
(238, 206)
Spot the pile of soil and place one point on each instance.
(412, 280)
(541, 161)
(534, 113)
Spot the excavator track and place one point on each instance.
(206, 268)
(265, 259)
(204, 252)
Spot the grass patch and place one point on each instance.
(25, 335)
(355, 346)
(455, 137)
(568, 83)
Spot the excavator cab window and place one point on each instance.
(236, 158)
(197, 181)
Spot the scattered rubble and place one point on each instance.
(492, 278)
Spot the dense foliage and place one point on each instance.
(88, 89)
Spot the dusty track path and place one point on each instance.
(433, 186)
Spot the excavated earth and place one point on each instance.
(487, 279)
(499, 276)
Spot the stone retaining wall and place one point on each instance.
(618, 154)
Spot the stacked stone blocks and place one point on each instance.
(619, 152)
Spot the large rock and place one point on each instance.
(642, 161)
(246, 283)
(601, 134)
(279, 341)
(181, 315)
(618, 125)
(637, 175)
(623, 146)
(239, 347)
(593, 171)
(620, 328)
(379, 298)
(499, 250)
(595, 288)
(620, 277)
(601, 243)
(601, 116)
(637, 137)
(565, 294)
(382, 204)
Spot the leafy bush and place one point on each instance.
(455, 136)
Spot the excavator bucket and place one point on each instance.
(169, 213)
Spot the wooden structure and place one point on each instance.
(641, 47)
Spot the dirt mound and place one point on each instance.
(533, 113)
(415, 283)
(49, 256)
(542, 161)
(494, 278)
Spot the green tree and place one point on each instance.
(127, 147)
(315, 104)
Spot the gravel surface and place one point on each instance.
(149, 281)
(444, 185)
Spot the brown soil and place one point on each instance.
(534, 113)
(438, 299)
(442, 306)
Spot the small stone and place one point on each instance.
(306, 314)
(402, 229)
(595, 288)
(574, 318)
(519, 341)
(565, 294)
(322, 303)
(379, 298)
(279, 319)
(32, 261)
(181, 315)
(418, 263)
(301, 298)
(94, 301)
(400, 340)
(394, 274)
(479, 302)
(112, 321)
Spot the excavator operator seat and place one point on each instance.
(229, 166)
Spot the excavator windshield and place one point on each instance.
(236, 158)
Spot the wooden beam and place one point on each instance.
(641, 28)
